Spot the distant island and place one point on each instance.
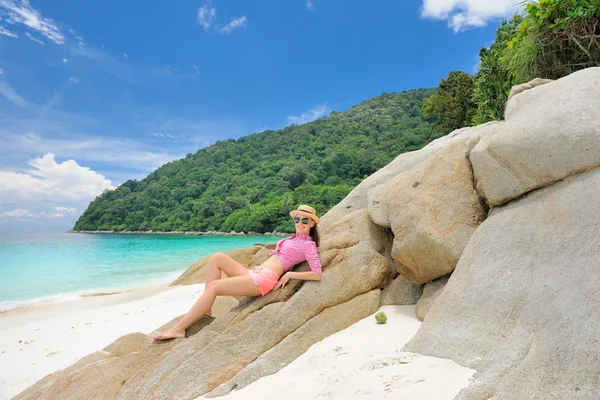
(250, 184)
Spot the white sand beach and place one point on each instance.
(37, 341)
(362, 361)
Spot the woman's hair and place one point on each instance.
(314, 234)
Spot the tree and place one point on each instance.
(452, 104)
(493, 81)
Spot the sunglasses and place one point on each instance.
(304, 220)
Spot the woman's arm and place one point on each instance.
(304, 276)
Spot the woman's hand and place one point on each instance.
(282, 281)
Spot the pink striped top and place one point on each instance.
(298, 248)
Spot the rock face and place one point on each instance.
(551, 131)
(433, 209)
(431, 292)
(400, 292)
(522, 305)
(515, 90)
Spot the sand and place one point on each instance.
(364, 361)
(37, 341)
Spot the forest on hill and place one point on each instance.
(251, 183)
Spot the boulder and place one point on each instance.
(551, 131)
(432, 209)
(400, 292)
(515, 90)
(431, 292)
(522, 305)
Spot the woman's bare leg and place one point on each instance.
(222, 262)
(235, 286)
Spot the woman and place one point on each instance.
(271, 275)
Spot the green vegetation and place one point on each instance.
(251, 184)
(549, 39)
(453, 103)
(493, 81)
(556, 38)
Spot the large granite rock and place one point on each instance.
(400, 292)
(522, 305)
(551, 131)
(432, 209)
(431, 292)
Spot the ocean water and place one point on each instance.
(43, 268)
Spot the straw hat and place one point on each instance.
(307, 211)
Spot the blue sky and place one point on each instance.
(95, 93)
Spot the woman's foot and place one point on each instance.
(170, 334)
(208, 313)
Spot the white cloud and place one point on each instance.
(162, 135)
(80, 41)
(12, 96)
(1, 72)
(125, 55)
(92, 149)
(463, 14)
(67, 181)
(240, 22)
(18, 212)
(23, 213)
(206, 15)
(65, 60)
(30, 36)
(20, 12)
(65, 209)
(310, 6)
(6, 32)
(312, 114)
(73, 80)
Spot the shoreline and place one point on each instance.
(187, 233)
(76, 296)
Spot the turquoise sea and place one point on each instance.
(42, 268)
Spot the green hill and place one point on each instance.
(250, 184)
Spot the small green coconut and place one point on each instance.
(380, 318)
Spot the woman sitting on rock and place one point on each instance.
(258, 280)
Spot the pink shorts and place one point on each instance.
(264, 278)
